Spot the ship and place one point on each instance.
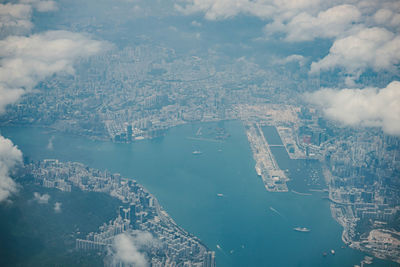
(197, 152)
(258, 170)
(301, 229)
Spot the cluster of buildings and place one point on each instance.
(139, 211)
(148, 89)
(361, 169)
(140, 92)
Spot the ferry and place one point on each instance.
(301, 229)
(196, 152)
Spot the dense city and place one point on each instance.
(140, 93)
(168, 245)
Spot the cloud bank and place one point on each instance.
(371, 107)
(364, 32)
(375, 48)
(265, 9)
(15, 19)
(330, 23)
(27, 60)
(10, 157)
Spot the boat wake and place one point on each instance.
(274, 210)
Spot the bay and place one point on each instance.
(216, 195)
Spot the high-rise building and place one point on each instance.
(129, 132)
(209, 259)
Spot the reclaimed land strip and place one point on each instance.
(273, 177)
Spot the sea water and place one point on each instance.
(215, 195)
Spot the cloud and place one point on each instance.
(128, 248)
(196, 23)
(292, 58)
(223, 9)
(333, 22)
(364, 31)
(24, 61)
(387, 17)
(10, 157)
(57, 207)
(375, 48)
(41, 6)
(369, 107)
(15, 19)
(41, 199)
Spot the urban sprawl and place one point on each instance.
(140, 93)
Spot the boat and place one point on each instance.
(220, 195)
(302, 229)
(196, 152)
(324, 254)
(332, 252)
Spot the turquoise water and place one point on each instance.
(253, 227)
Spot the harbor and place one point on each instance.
(256, 224)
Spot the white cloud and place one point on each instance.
(370, 107)
(41, 199)
(387, 17)
(8, 96)
(41, 5)
(196, 23)
(223, 9)
(365, 31)
(330, 23)
(57, 207)
(375, 48)
(15, 19)
(292, 58)
(10, 157)
(128, 248)
(27, 60)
